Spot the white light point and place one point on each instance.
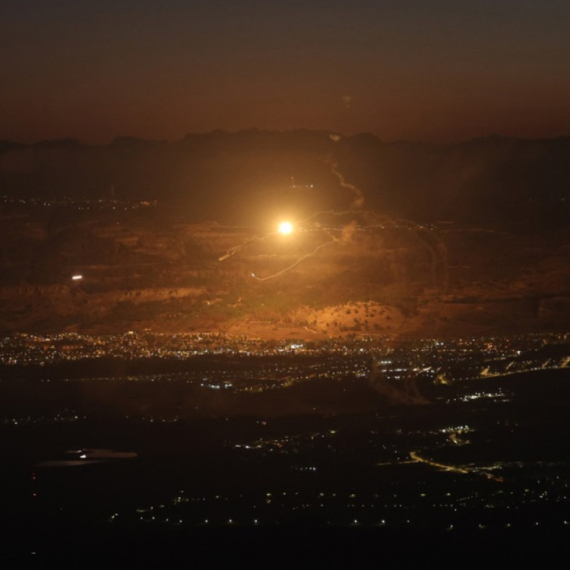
(285, 228)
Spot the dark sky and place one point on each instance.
(437, 70)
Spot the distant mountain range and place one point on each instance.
(244, 177)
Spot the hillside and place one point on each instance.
(245, 177)
(335, 275)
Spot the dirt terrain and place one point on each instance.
(146, 270)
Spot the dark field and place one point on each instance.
(254, 453)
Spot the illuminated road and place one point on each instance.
(414, 455)
(457, 441)
(510, 370)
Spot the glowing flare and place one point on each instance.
(285, 228)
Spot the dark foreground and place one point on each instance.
(273, 462)
(286, 546)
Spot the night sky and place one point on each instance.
(441, 70)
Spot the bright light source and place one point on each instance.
(77, 277)
(285, 228)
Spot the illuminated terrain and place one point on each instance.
(334, 275)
